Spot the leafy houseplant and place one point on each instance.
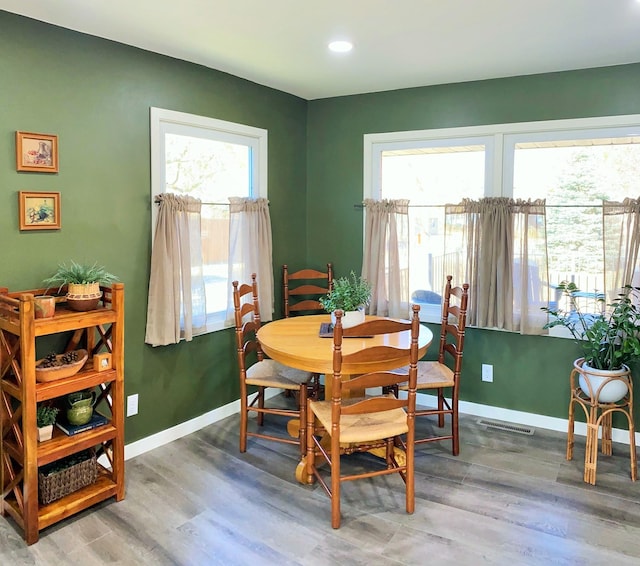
(79, 274)
(83, 283)
(348, 294)
(45, 419)
(609, 339)
(46, 415)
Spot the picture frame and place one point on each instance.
(39, 211)
(36, 152)
(101, 362)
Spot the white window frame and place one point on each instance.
(164, 121)
(499, 141)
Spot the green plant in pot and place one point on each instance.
(609, 339)
(83, 282)
(350, 295)
(45, 419)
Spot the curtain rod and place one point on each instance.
(450, 204)
(157, 201)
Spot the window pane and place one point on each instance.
(212, 171)
(431, 177)
(574, 176)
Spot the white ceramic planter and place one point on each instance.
(45, 433)
(607, 386)
(350, 318)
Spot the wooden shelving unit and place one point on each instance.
(99, 331)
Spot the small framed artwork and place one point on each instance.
(39, 211)
(36, 152)
(101, 362)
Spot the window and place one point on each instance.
(573, 164)
(211, 160)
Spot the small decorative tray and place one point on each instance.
(326, 331)
(61, 371)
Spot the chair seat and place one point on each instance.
(269, 373)
(432, 375)
(365, 427)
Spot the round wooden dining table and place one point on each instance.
(296, 342)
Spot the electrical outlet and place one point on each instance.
(487, 373)
(132, 405)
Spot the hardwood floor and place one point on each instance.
(508, 499)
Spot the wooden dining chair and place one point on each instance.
(358, 424)
(301, 290)
(443, 374)
(256, 371)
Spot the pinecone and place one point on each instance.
(69, 357)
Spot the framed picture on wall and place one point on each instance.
(39, 211)
(36, 152)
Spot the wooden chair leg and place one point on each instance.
(410, 493)
(454, 429)
(311, 448)
(335, 482)
(243, 422)
(303, 418)
(261, 405)
(440, 407)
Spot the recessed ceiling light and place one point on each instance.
(340, 46)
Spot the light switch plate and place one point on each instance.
(132, 405)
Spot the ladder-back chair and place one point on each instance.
(357, 424)
(259, 372)
(302, 290)
(444, 373)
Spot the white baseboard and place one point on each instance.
(183, 429)
(520, 417)
(530, 419)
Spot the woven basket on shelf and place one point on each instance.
(82, 471)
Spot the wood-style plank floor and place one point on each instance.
(508, 499)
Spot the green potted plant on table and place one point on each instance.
(350, 295)
(45, 419)
(83, 282)
(609, 339)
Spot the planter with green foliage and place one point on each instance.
(45, 419)
(350, 295)
(83, 283)
(609, 339)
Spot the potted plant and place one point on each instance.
(350, 295)
(83, 282)
(45, 419)
(609, 339)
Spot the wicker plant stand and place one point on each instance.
(599, 415)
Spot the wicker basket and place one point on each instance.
(55, 480)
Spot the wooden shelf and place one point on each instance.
(62, 445)
(81, 380)
(103, 488)
(99, 331)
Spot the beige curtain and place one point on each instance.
(176, 306)
(386, 256)
(621, 225)
(500, 244)
(250, 251)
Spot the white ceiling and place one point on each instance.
(397, 43)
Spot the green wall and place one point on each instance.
(530, 373)
(95, 95)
